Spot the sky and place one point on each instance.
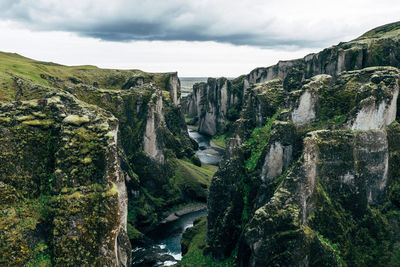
(197, 38)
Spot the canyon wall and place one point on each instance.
(375, 48)
(308, 169)
(90, 160)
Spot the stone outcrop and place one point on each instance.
(324, 171)
(105, 145)
(298, 187)
(375, 48)
(155, 119)
(174, 86)
(211, 103)
(61, 155)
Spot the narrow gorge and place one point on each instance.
(309, 176)
(294, 164)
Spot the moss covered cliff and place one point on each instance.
(310, 175)
(90, 160)
(216, 105)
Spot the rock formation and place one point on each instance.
(378, 47)
(60, 165)
(310, 175)
(90, 159)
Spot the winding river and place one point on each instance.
(165, 246)
(208, 153)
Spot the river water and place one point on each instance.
(165, 246)
(169, 236)
(208, 153)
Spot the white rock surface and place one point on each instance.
(155, 118)
(374, 117)
(305, 112)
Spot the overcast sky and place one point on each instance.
(193, 37)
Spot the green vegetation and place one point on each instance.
(127, 94)
(193, 180)
(334, 223)
(17, 222)
(188, 184)
(334, 247)
(338, 100)
(14, 67)
(41, 256)
(391, 30)
(196, 255)
(219, 140)
(257, 141)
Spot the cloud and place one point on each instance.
(188, 58)
(262, 23)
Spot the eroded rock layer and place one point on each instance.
(217, 103)
(90, 160)
(309, 176)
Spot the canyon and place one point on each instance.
(92, 161)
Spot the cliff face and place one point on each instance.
(153, 136)
(379, 47)
(90, 158)
(63, 190)
(212, 103)
(308, 177)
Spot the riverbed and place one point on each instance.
(164, 246)
(208, 152)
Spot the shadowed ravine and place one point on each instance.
(164, 247)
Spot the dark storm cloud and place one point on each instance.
(264, 23)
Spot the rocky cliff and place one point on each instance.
(90, 160)
(63, 190)
(217, 103)
(310, 175)
(212, 104)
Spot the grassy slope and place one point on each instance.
(391, 30)
(220, 140)
(193, 179)
(41, 73)
(188, 178)
(195, 256)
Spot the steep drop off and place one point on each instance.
(310, 176)
(215, 105)
(90, 160)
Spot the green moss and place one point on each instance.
(41, 256)
(39, 123)
(337, 100)
(219, 140)
(18, 224)
(76, 120)
(257, 141)
(196, 254)
(293, 79)
(133, 233)
(80, 224)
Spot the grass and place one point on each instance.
(17, 221)
(190, 182)
(206, 171)
(193, 178)
(390, 30)
(49, 74)
(334, 247)
(219, 140)
(195, 256)
(259, 138)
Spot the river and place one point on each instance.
(164, 248)
(208, 153)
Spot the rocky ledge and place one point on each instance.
(63, 192)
